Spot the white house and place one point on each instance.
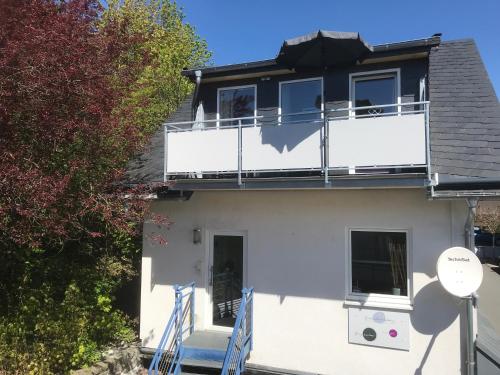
(329, 180)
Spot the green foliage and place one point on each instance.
(80, 104)
(61, 315)
(170, 44)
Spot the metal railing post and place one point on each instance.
(251, 320)
(239, 153)
(180, 348)
(326, 149)
(427, 143)
(178, 302)
(244, 302)
(191, 328)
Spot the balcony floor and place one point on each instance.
(354, 181)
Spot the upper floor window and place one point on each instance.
(301, 96)
(234, 102)
(371, 90)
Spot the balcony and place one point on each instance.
(388, 139)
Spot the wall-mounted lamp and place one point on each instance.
(196, 236)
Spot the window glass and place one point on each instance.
(302, 96)
(378, 261)
(227, 279)
(236, 102)
(375, 91)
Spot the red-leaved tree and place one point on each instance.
(62, 142)
(66, 231)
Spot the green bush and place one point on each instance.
(61, 315)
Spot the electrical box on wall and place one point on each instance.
(386, 329)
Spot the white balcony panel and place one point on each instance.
(379, 141)
(287, 146)
(202, 151)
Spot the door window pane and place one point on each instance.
(303, 96)
(237, 102)
(378, 262)
(227, 276)
(375, 91)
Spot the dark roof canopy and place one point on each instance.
(381, 50)
(323, 49)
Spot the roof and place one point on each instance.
(271, 64)
(147, 167)
(464, 113)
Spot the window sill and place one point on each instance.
(393, 305)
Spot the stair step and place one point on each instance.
(204, 354)
(202, 363)
(213, 340)
(200, 371)
(195, 370)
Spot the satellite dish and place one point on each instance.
(459, 271)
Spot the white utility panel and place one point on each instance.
(386, 329)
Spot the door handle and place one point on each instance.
(211, 276)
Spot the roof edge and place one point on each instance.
(272, 64)
(461, 40)
(462, 183)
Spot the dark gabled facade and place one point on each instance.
(464, 120)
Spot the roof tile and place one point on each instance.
(464, 112)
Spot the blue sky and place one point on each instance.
(239, 31)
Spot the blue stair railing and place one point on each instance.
(241, 342)
(170, 351)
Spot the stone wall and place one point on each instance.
(118, 361)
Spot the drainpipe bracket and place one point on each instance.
(434, 180)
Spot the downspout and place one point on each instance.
(471, 300)
(469, 223)
(197, 74)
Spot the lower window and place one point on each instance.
(379, 262)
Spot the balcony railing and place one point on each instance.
(385, 137)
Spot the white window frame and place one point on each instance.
(254, 86)
(369, 75)
(281, 83)
(376, 299)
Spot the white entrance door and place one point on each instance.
(226, 278)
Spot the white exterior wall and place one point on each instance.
(296, 261)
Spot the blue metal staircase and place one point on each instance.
(182, 347)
